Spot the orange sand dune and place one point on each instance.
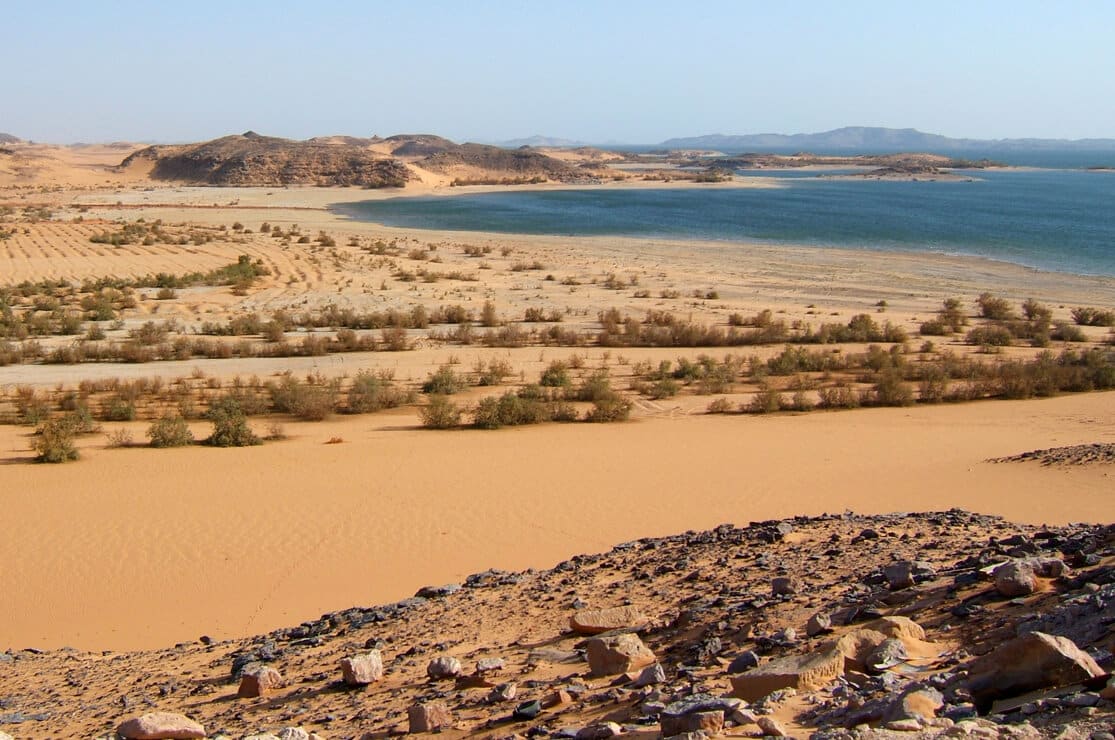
(140, 548)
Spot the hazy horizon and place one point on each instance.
(625, 72)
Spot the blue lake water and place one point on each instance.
(1061, 220)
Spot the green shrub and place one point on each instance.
(170, 431)
(1065, 332)
(54, 442)
(766, 401)
(608, 409)
(230, 425)
(510, 409)
(443, 382)
(839, 397)
(440, 413)
(371, 392)
(1093, 316)
(556, 375)
(890, 390)
(995, 308)
(990, 336)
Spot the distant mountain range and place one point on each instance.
(9, 139)
(540, 141)
(877, 139)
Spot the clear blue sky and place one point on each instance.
(636, 72)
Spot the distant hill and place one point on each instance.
(9, 139)
(541, 141)
(877, 139)
(252, 159)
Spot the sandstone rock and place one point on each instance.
(363, 669)
(445, 666)
(556, 699)
(819, 624)
(801, 672)
(1015, 578)
(919, 704)
(428, 717)
(259, 681)
(599, 731)
(710, 722)
(856, 646)
(5, 736)
(294, 733)
(503, 692)
(595, 621)
(904, 725)
(489, 665)
(743, 661)
(160, 726)
(650, 676)
(618, 654)
(784, 586)
(1028, 663)
(888, 654)
(900, 628)
(906, 573)
(771, 727)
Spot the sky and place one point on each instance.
(595, 70)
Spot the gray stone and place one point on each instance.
(743, 661)
(445, 666)
(651, 675)
(819, 624)
(784, 586)
(890, 653)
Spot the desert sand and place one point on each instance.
(138, 548)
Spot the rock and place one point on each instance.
(900, 628)
(445, 666)
(489, 665)
(1108, 691)
(921, 703)
(651, 675)
(363, 669)
(771, 727)
(503, 692)
(1083, 699)
(1033, 661)
(784, 586)
(904, 725)
(1015, 578)
(259, 681)
(527, 710)
(856, 646)
(428, 717)
(819, 624)
(293, 733)
(618, 654)
(801, 672)
(160, 726)
(888, 654)
(906, 573)
(710, 722)
(596, 621)
(743, 661)
(437, 592)
(5, 736)
(599, 731)
(556, 699)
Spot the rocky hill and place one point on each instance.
(940, 624)
(251, 159)
(9, 139)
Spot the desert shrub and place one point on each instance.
(170, 431)
(230, 425)
(443, 382)
(1085, 316)
(312, 400)
(488, 315)
(597, 386)
(991, 335)
(801, 401)
(510, 409)
(891, 390)
(371, 392)
(119, 408)
(664, 388)
(839, 397)
(766, 401)
(994, 308)
(440, 413)
(1065, 332)
(54, 442)
(491, 373)
(719, 406)
(166, 294)
(120, 438)
(934, 328)
(556, 375)
(608, 409)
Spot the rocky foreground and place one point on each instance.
(914, 625)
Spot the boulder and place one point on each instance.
(618, 654)
(771, 727)
(906, 573)
(650, 676)
(430, 716)
(160, 726)
(599, 731)
(784, 586)
(921, 703)
(445, 666)
(743, 661)
(1015, 578)
(489, 665)
(362, 669)
(556, 699)
(710, 722)
(856, 647)
(900, 628)
(819, 624)
(1028, 663)
(259, 680)
(596, 621)
(888, 654)
(801, 672)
